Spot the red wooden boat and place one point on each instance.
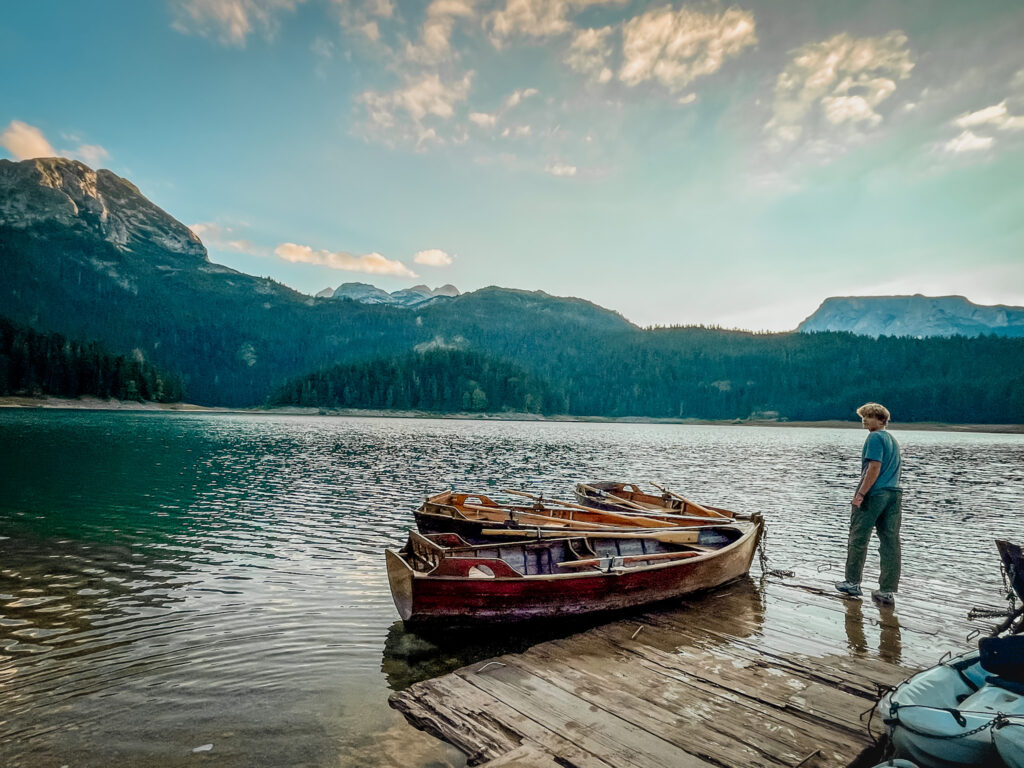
(439, 578)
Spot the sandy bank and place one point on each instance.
(98, 404)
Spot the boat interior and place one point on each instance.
(447, 554)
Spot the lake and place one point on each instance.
(215, 582)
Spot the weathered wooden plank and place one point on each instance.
(526, 756)
(607, 736)
(443, 706)
(694, 716)
(753, 675)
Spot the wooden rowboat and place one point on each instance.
(439, 578)
(476, 518)
(627, 497)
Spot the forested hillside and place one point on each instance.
(33, 364)
(436, 380)
(699, 373)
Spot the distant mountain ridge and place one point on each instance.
(365, 293)
(917, 316)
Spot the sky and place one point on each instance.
(680, 163)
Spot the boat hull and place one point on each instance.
(425, 599)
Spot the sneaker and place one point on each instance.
(848, 588)
(885, 598)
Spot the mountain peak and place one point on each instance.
(916, 315)
(365, 293)
(68, 193)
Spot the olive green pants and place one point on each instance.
(881, 511)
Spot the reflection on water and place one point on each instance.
(169, 581)
(886, 625)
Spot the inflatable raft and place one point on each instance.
(961, 713)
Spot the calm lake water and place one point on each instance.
(174, 581)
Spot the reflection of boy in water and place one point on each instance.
(876, 505)
(890, 645)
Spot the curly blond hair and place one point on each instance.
(874, 410)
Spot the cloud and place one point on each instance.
(90, 154)
(537, 18)
(402, 115)
(517, 131)
(369, 263)
(997, 116)
(589, 52)
(25, 141)
(836, 85)
(231, 21)
(559, 168)
(483, 119)
(436, 32)
(676, 47)
(363, 16)
(223, 238)
(968, 142)
(433, 257)
(518, 95)
(687, 99)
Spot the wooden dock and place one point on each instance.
(775, 673)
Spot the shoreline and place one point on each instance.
(98, 404)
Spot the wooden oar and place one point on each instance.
(529, 515)
(613, 499)
(687, 502)
(650, 513)
(664, 536)
(628, 559)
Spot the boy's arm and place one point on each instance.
(871, 473)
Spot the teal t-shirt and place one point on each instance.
(882, 447)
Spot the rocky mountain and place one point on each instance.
(917, 316)
(365, 293)
(66, 193)
(83, 253)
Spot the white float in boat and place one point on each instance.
(943, 717)
(1009, 741)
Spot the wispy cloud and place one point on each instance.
(90, 154)
(483, 119)
(435, 35)
(230, 21)
(223, 238)
(411, 113)
(433, 257)
(537, 18)
(997, 116)
(368, 263)
(675, 47)
(968, 142)
(25, 141)
(558, 168)
(519, 95)
(589, 52)
(830, 91)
